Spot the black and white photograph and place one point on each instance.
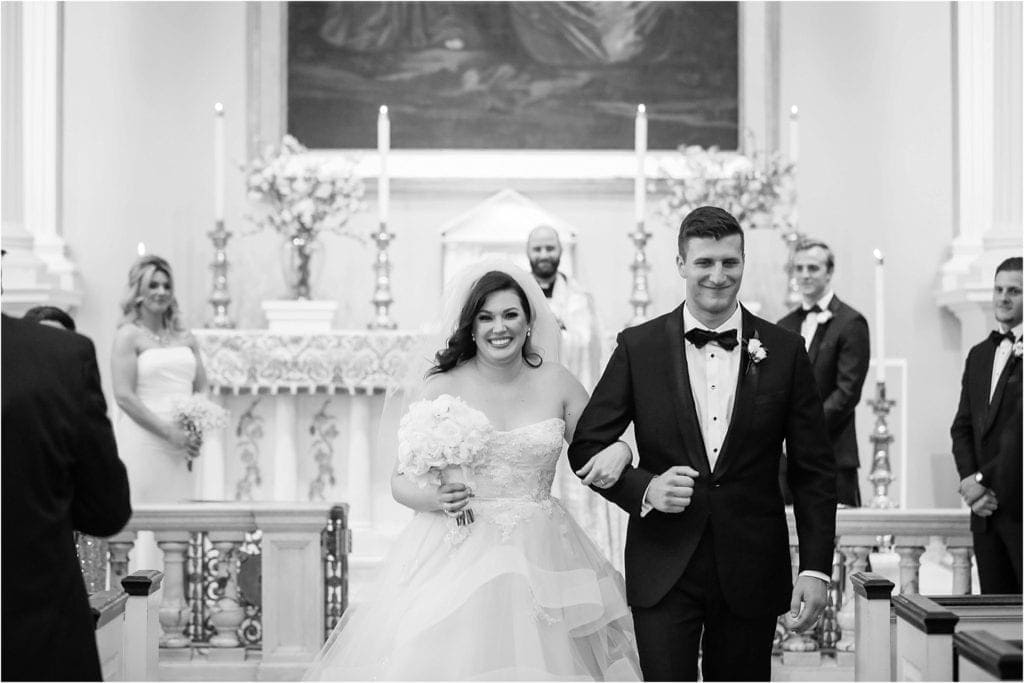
(511, 340)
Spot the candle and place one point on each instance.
(141, 249)
(218, 162)
(383, 147)
(640, 145)
(879, 317)
(794, 138)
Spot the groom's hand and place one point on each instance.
(809, 598)
(672, 490)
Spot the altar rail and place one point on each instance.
(250, 589)
(859, 532)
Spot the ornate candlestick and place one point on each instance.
(641, 297)
(793, 297)
(382, 299)
(219, 297)
(881, 438)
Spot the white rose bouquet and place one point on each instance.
(197, 415)
(441, 438)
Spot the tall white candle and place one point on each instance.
(879, 316)
(218, 162)
(794, 136)
(383, 147)
(640, 181)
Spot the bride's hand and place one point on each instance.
(178, 436)
(452, 497)
(604, 469)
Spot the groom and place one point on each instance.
(712, 392)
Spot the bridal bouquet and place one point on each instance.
(197, 415)
(441, 438)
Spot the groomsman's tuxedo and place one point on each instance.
(60, 473)
(839, 349)
(986, 443)
(725, 559)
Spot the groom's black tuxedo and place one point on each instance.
(60, 473)
(737, 508)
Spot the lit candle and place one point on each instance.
(141, 249)
(794, 138)
(640, 182)
(218, 162)
(383, 147)
(879, 317)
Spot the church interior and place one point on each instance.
(892, 131)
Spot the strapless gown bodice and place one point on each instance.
(520, 463)
(164, 374)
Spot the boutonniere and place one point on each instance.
(1018, 348)
(823, 317)
(755, 351)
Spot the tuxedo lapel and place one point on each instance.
(743, 401)
(682, 395)
(980, 381)
(997, 395)
(822, 330)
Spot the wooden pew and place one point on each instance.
(925, 628)
(873, 642)
(108, 612)
(142, 625)
(981, 656)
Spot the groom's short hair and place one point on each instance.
(708, 222)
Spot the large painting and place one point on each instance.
(513, 75)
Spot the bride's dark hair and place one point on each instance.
(461, 346)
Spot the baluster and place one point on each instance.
(910, 567)
(855, 560)
(228, 615)
(796, 646)
(961, 570)
(829, 627)
(174, 611)
(120, 547)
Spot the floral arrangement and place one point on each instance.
(299, 196)
(435, 436)
(758, 190)
(198, 416)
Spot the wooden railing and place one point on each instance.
(244, 584)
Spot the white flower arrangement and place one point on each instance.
(758, 189)
(823, 316)
(756, 351)
(438, 434)
(198, 416)
(301, 194)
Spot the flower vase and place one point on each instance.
(302, 262)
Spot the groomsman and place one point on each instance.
(837, 342)
(986, 438)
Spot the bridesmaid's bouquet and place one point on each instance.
(197, 415)
(441, 439)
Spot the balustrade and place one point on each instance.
(249, 590)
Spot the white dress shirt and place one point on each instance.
(810, 324)
(1002, 356)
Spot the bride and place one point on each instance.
(492, 579)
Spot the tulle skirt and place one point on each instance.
(521, 594)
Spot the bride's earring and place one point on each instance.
(528, 331)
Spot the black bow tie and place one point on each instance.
(997, 337)
(727, 340)
(804, 312)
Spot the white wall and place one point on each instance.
(873, 82)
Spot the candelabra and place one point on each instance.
(793, 298)
(382, 299)
(219, 297)
(881, 439)
(641, 297)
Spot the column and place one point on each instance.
(285, 448)
(910, 568)
(174, 610)
(961, 570)
(120, 547)
(228, 615)
(856, 560)
(359, 465)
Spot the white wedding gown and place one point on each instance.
(520, 594)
